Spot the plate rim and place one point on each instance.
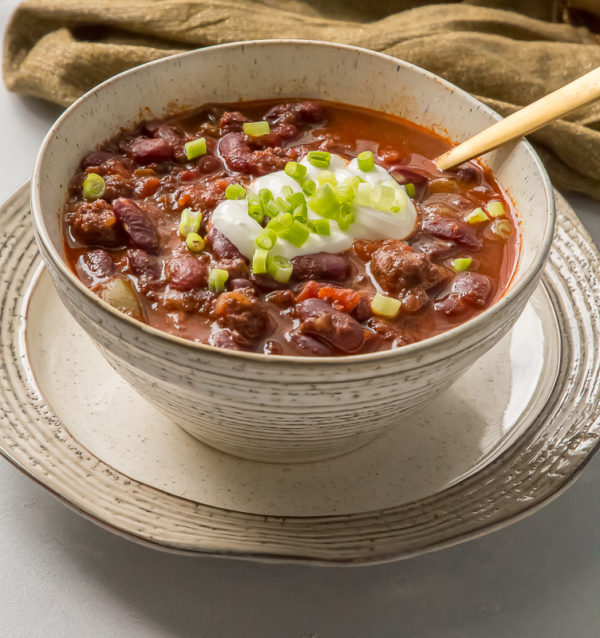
(479, 528)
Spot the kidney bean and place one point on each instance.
(174, 139)
(309, 345)
(337, 328)
(138, 227)
(435, 248)
(320, 266)
(451, 229)
(227, 339)
(221, 246)
(143, 264)
(97, 264)
(297, 113)
(468, 174)
(147, 150)
(95, 224)
(241, 282)
(265, 283)
(404, 175)
(96, 158)
(246, 315)
(236, 152)
(185, 272)
(281, 298)
(204, 165)
(363, 311)
(468, 290)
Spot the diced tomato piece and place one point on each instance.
(342, 299)
(310, 291)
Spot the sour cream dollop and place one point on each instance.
(231, 217)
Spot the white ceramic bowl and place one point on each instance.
(284, 408)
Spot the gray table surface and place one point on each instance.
(61, 576)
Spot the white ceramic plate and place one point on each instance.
(525, 423)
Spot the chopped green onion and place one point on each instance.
(385, 306)
(279, 268)
(323, 201)
(308, 186)
(410, 190)
(195, 148)
(284, 205)
(272, 209)
(495, 209)
(320, 226)
(265, 195)
(189, 222)
(194, 242)
(259, 261)
(476, 216)
(256, 129)
(346, 191)
(502, 228)
(365, 161)
(255, 207)
(217, 278)
(462, 263)
(296, 234)
(346, 219)
(93, 186)
(319, 159)
(297, 199)
(266, 239)
(363, 195)
(235, 191)
(301, 212)
(275, 224)
(327, 177)
(383, 197)
(287, 191)
(286, 220)
(295, 170)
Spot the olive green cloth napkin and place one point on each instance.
(507, 52)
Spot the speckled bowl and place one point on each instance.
(284, 408)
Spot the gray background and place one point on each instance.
(63, 576)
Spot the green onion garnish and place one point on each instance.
(308, 186)
(296, 234)
(256, 129)
(189, 222)
(195, 148)
(93, 186)
(265, 195)
(502, 228)
(346, 218)
(266, 239)
(476, 216)
(495, 209)
(323, 201)
(383, 197)
(275, 224)
(271, 208)
(363, 195)
(301, 212)
(194, 242)
(365, 161)
(279, 268)
(385, 306)
(259, 261)
(255, 207)
(286, 220)
(462, 263)
(217, 278)
(287, 191)
(327, 177)
(284, 205)
(319, 159)
(410, 190)
(346, 191)
(297, 199)
(235, 191)
(295, 170)
(320, 226)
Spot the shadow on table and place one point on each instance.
(525, 580)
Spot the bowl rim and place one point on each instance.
(454, 334)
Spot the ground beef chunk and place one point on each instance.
(236, 267)
(239, 157)
(318, 319)
(232, 122)
(242, 313)
(297, 113)
(95, 224)
(400, 270)
(470, 290)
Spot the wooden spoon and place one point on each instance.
(528, 119)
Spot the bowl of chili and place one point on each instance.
(256, 238)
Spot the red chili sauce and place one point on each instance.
(126, 245)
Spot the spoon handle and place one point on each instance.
(526, 120)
